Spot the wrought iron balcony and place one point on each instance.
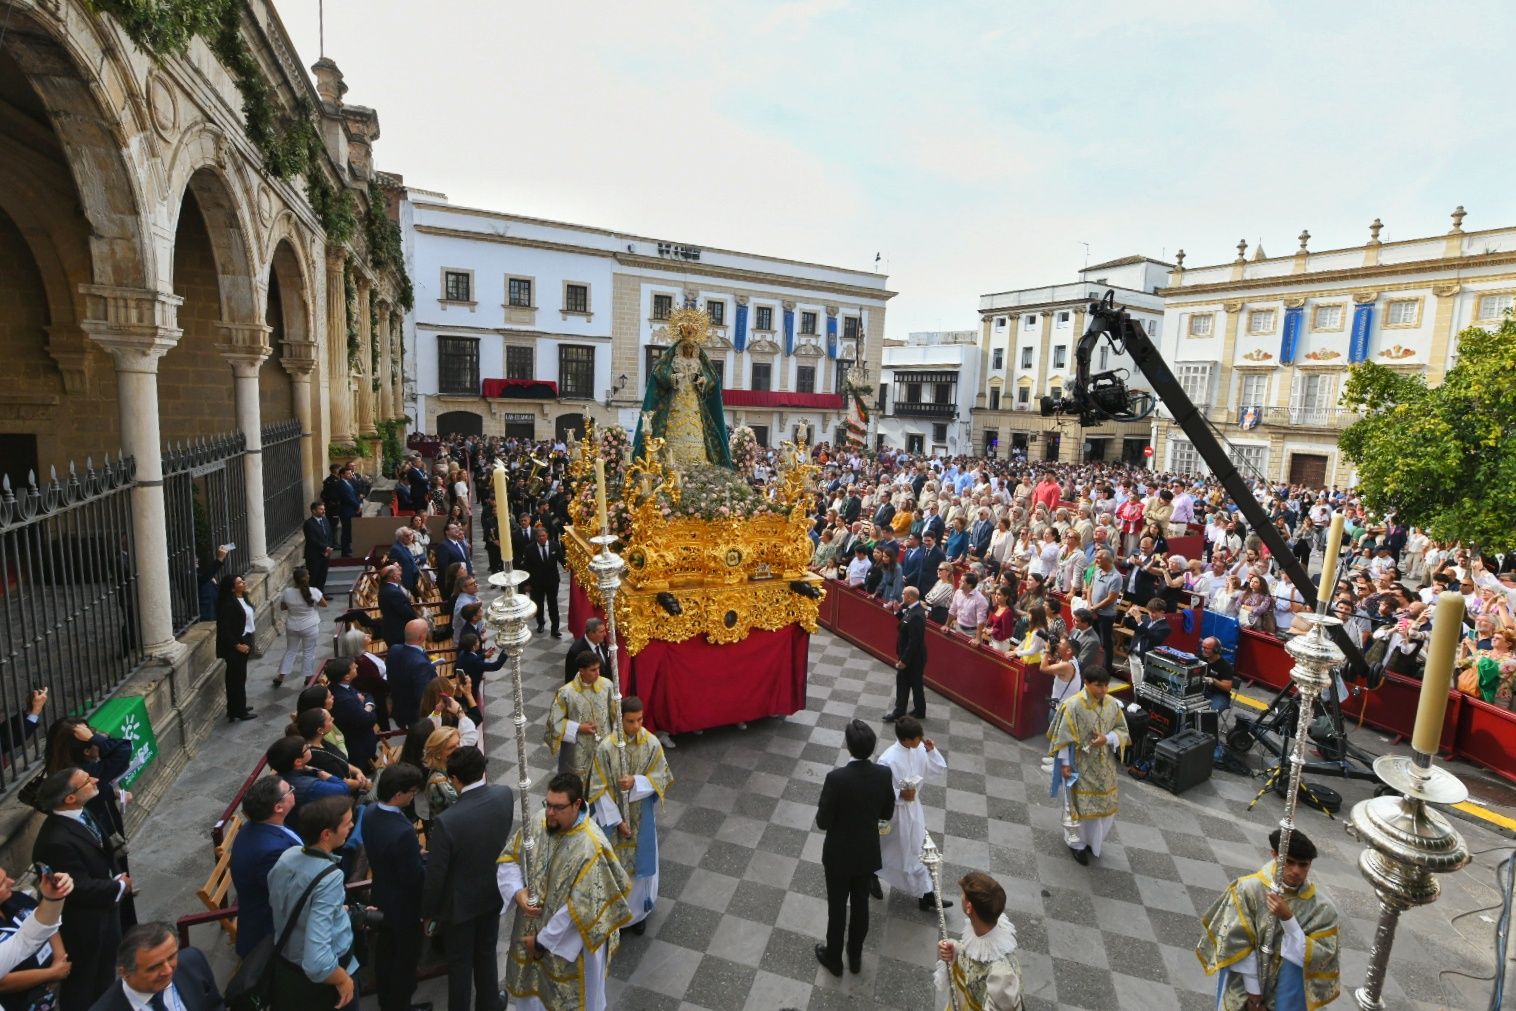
(922, 409)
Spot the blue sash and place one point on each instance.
(647, 839)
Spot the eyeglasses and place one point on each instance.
(560, 807)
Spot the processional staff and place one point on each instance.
(931, 857)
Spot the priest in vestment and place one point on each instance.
(1273, 951)
(910, 760)
(561, 949)
(1087, 737)
(638, 789)
(981, 966)
(579, 717)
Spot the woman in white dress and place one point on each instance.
(302, 627)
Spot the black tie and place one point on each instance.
(94, 829)
(544, 552)
(157, 1002)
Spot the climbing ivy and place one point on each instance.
(397, 327)
(287, 140)
(373, 340)
(350, 293)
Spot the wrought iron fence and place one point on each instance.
(284, 504)
(205, 496)
(68, 601)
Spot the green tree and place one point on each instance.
(1444, 457)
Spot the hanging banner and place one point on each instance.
(1248, 417)
(1363, 325)
(789, 331)
(126, 717)
(1291, 342)
(831, 337)
(739, 332)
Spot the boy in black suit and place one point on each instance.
(396, 864)
(854, 800)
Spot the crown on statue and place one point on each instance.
(689, 324)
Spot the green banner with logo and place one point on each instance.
(126, 717)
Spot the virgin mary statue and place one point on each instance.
(682, 404)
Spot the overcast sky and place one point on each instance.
(977, 146)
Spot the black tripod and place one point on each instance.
(1275, 727)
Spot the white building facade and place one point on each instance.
(926, 393)
(528, 327)
(1027, 340)
(1264, 344)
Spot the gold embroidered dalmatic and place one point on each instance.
(573, 869)
(576, 703)
(1077, 720)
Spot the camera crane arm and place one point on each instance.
(1104, 397)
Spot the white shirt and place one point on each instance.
(858, 570)
(139, 1001)
(250, 623)
(27, 941)
(303, 616)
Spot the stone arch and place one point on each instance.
(197, 171)
(288, 316)
(69, 83)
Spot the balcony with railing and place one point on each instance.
(924, 409)
(1322, 418)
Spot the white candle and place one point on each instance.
(502, 512)
(1447, 629)
(605, 525)
(1329, 559)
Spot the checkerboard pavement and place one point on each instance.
(743, 900)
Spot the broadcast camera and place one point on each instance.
(1104, 396)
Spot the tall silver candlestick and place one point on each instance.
(1407, 842)
(1316, 657)
(931, 857)
(608, 568)
(508, 615)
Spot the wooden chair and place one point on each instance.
(214, 892)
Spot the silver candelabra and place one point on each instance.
(1408, 843)
(931, 857)
(608, 568)
(508, 615)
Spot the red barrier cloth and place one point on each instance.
(520, 389)
(696, 684)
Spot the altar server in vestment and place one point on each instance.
(639, 788)
(981, 965)
(579, 717)
(910, 760)
(1297, 929)
(561, 949)
(1087, 737)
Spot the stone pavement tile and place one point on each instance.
(643, 1000)
(1144, 994)
(1133, 955)
(708, 889)
(791, 953)
(689, 926)
(716, 980)
(666, 968)
(900, 984)
(1081, 985)
(772, 992)
(740, 940)
(1080, 943)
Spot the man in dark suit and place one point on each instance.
(854, 800)
(415, 476)
(932, 525)
(318, 544)
(348, 507)
(157, 973)
(852, 506)
(931, 557)
(453, 548)
(884, 514)
(910, 560)
(395, 608)
(980, 534)
(409, 671)
(541, 561)
(394, 856)
(593, 641)
(400, 556)
(522, 535)
(1150, 628)
(72, 843)
(459, 890)
(259, 843)
(910, 650)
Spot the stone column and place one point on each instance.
(386, 409)
(299, 361)
(397, 355)
(138, 327)
(365, 398)
(245, 347)
(339, 387)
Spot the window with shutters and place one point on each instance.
(994, 398)
(1261, 321)
(805, 379)
(1185, 459)
(1060, 356)
(458, 365)
(997, 359)
(999, 321)
(1492, 308)
(663, 306)
(576, 370)
(520, 362)
(1026, 358)
(1029, 322)
(761, 373)
(1254, 391)
(1403, 312)
(939, 432)
(1063, 318)
(576, 298)
(763, 318)
(808, 323)
(1251, 461)
(1023, 395)
(1195, 378)
(851, 327)
(717, 312)
(1202, 325)
(1312, 397)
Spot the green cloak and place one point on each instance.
(660, 397)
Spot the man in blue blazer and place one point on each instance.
(394, 856)
(400, 555)
(260, 841)
(409, 671)
(156, 973)
(395, 608)
(910, 560)
(453, 548)
(348, 506)
(931, 557)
